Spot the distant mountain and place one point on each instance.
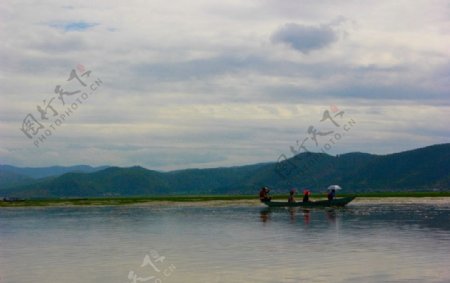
(12, 176)
(43, 172)
(11, 179)
(423, 169)
(112, 181)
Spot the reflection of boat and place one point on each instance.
(319, 203)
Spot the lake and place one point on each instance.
(371, 240)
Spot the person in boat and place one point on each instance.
(306, 194)
(332, 194)
(291, 196)
(264, 194)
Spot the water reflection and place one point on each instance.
(236, 243)
(306, 216)
(264, 215)
(331, 215)
(305, 212)
(296, 213)
(403, 216)
(292, 212)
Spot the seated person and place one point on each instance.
(264, 194)
(331, 194)
(306, 194)
(291, 196)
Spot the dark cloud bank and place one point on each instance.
(305, 38)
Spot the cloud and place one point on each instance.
(305, 38)
(228, 84)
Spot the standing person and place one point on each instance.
(264, 194)
(291, 196)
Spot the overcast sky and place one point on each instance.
(220, 83)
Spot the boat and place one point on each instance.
(338, 202)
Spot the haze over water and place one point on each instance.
(369, 241)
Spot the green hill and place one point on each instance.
(12, 176)
(424, 169)
(12, 179)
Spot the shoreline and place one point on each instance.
(218, 200)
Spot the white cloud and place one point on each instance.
(202, 84)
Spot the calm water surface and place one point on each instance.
(365, 242)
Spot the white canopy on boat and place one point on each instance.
(334, 187)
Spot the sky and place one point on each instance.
(195, 84)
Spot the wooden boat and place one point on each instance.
(339, 202)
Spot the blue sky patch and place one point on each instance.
(73, 26)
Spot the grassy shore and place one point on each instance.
(201, 198)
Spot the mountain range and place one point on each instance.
(11, 176)
(423, 169)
